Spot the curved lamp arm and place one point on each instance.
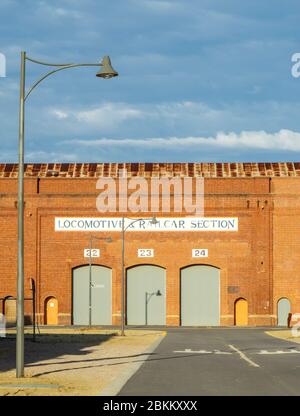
(107, 70)
(62, 67)
(44, 63)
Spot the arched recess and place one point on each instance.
(10, 310)
(146, 295)
(51, 311)
(97, 295)
(241, 312)
(200, 295)
(283, 310)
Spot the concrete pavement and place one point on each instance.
(218, 361)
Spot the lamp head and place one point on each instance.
(158, 293)
(153, 221)
(106, 70)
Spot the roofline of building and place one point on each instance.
(148, 170)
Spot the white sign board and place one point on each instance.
(95, 252)
(200, 252)
(145, 252)
(163, 224)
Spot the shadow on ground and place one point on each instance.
(48, 347)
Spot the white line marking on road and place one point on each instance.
(243, 356)
(194, 352)
(265, 352)
(188, 350)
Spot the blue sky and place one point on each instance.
(200, 80)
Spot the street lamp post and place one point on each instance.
(108, 240)
(106, 71)
(152, 221)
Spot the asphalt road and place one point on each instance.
(230, 362)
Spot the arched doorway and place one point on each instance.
(146, 295)
(98, 295)
(51, 311)
(283, 310)
(10, 310)
(200, 296)
(241, 312)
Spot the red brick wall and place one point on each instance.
(286, 237)
(261, 260)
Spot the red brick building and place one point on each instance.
(258, 265)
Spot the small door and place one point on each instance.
(200, 296)
(241, 312)
(10, 311)
(283, 310)
(51, 309)
(146, 295)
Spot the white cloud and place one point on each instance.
(159, 5)
(44, 9)
(111, 114)
(43, 156)
(7, 3)
(108, 115)
(67, 13)
(8, 88)
(282, 140)
(60, 115)
(169, 119)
